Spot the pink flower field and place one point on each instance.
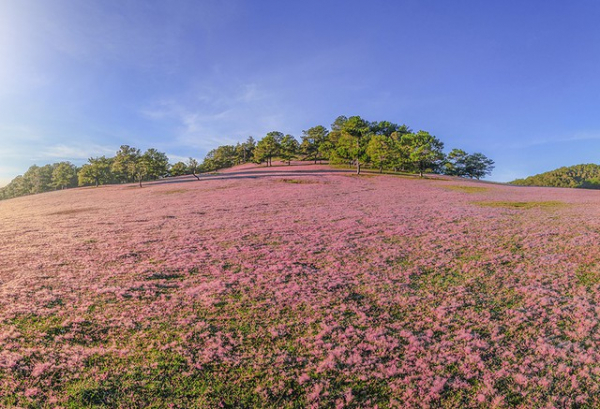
(320, 289)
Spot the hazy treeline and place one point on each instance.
(382, 145)
(581, 176)
(128, 165)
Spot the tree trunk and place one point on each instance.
(358, 167)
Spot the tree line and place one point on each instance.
(357, 142)
(352, 141)
(585, 176)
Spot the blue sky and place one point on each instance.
(517, 81)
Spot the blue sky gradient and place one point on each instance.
(517, 81)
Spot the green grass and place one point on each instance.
(522, 205)
(73, 211)
(172, 192)
(467, 189)
(588, 275)
(298, 181)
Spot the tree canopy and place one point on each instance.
(578, 176)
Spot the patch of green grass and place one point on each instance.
(159, 379)
(435, 280)
(466, 189)
(362, 175)
(522, 205)
(72, 211)
(164, 276)
(172, 192)
(298, 181)
(588, 275)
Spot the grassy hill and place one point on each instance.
(581, 176)
(268, 289)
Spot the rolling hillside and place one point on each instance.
(300, 289)
(579, 176)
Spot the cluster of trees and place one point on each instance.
(39, 179)
(578, 176)
(354, 141)
(127, 166)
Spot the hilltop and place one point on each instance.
(261, 288)
(578, 176)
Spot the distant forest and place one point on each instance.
(580, 176)
(353, 141)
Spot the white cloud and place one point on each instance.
(219, 112)
(556, 139)
(74, 151)
(176, 158)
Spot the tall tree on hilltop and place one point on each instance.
(312, 141)
(380, 150)
(478, 166)
(288, 148)
(156, 162)
(124, 164)
(399, 152)
(460, 163)
(425, 151)
(140, 168)
(456, 163)
(355, 135)
(245, 151)
(385, 128)
(38, 179)
(97, 171)
(268, 147)
(329, 148)
(64, 175)
(224, 156)
(192, 165)
(178, 169)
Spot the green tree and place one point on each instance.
(64, 175)
(192, 165)
(245, 151)
(178, 169)
(224, 156)
(478, 166)
(460, 163)
(97, 172)
(456, 163)
(288, 148)
(385, 128)
(355, 135)
(313, 141)
(124, 165)
(38, 179)
(268, 147)
(424, 151)
(380, 150)
(157, 163)
(140, 168)
(400, 153)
